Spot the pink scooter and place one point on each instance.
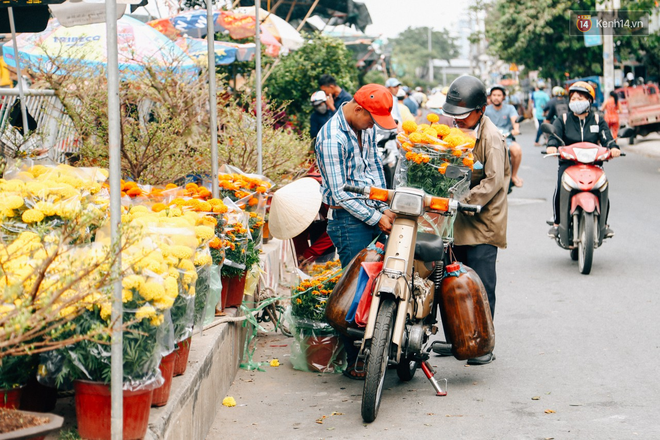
(583, 201)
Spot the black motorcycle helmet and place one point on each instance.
(465, 94)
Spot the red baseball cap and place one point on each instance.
(378, 101)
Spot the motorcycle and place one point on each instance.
(403, 311)
(582, 194)
(389, 154)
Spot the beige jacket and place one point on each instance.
(489, 189)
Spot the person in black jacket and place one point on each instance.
(580, 124)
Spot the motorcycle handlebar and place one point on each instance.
(355, 189)
(464, 207)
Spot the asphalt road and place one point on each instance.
(577, 356)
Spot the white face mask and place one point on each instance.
(579, 107)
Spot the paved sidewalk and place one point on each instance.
(648, 146)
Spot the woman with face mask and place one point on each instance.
(580, 124)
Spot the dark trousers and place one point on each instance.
(482, 258)
(603, 197)
(539, 133)
(350, 236)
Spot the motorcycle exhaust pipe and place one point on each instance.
(430, 375)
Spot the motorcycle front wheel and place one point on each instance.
(379, 355)
(587, 242)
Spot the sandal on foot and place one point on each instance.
(354, 374)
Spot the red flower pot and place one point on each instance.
(321, 352)
(93, 407)
(11, 398)
(162, 393)
(182, 352)
(233, 289)
(37, 397)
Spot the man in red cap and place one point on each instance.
(346, 154)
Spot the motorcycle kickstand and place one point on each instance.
(430, 375)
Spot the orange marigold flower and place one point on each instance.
(220, 209)
(253, 201)
(191, 186)
(406, 146)
(134, 192)
(416, 138)
(432, 117)
(410, 155)
(216, 243)
(468, 162)
(441, 129)
(457, 152)
(157, 207)
(129, 185)
(443, 168)
(261, 189)
(171, 186)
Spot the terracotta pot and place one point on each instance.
(38, 432)
(162, 393)
(321, 352)
(11, 398)
(93, 408)
(37, 397)
(233, 289)
(182, 353)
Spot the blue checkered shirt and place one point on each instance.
(341, 162)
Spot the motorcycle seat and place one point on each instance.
(429, 247)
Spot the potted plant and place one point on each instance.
(317, 346)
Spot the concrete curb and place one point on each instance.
(648, 146)
(196, 397)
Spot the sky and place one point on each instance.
(390, 17)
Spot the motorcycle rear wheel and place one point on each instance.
(587, 240)
(379, 355)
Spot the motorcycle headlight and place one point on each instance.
(407, 204)
(568, 182)
(586, 155)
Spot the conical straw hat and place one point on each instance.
(294, 207)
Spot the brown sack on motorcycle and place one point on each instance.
(465, 313)
(342, 295)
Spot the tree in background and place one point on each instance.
(535, 33)
(294, 79)
(410, 54)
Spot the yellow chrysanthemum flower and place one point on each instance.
(106, 311)
(204, 232)
(432, 117)
(186, 265)
(146, 311)
(46, 207)
(157, 320)
(203, 259)
(181, 252)
(12, 201)
(132, 282)
(151, 290)
(441, 129)
(172, 286)
(32, 216)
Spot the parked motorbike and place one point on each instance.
(582, 195)
(389, 154)
(403, 311)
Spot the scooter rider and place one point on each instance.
(505, 116)
(478, 237)
(580, 124)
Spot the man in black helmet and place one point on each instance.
(477, 237)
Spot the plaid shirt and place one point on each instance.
(341, 162)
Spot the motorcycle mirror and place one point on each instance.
(453, 172)
(626, 133)
(548, 128)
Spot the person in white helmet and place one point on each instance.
(321, 113)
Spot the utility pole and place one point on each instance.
(430, 55)
(609, 7)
